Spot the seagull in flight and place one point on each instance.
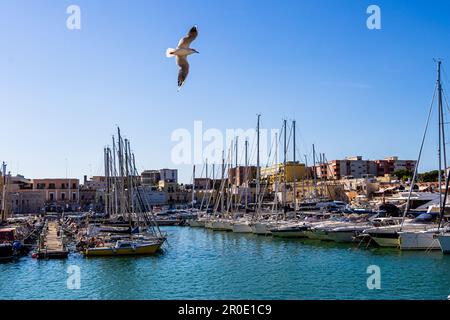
(181, 53)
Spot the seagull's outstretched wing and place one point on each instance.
(186, 41)
(184, 69)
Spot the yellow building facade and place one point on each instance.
(279, 171)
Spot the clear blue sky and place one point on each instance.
(351, 90)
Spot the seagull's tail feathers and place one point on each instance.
(169, 52)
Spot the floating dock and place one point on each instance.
(51, 242)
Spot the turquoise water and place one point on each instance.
(202, 264)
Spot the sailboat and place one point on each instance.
(244, 224)
(6, 234)
(419, 233)
(126, 205)
(294, 228)
(426, 238)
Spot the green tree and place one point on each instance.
(430, 176)
(403, 174)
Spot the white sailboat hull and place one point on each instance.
(242, 227)
(196, 223)
(260, 228)
(444, 243)
(317, 235)
(289, 234)
(227, 225)
(218, 225)
(418, 241)
(344, 236)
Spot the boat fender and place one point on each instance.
(34, 255)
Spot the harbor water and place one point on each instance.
(203, 264)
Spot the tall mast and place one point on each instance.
(236, 151)
(222, 200)
(111, 175)
(441, 132)
(213, 184)
(314, 167)
(4, 201)
(295, 174)
(238, 173)
(114, 175)
(229, 184)
(257, 162)
(193, 186)
(246, 174)
(206, 167)
(276, 163)
(105, 159)
(131, 177)
(121, 172)
(128, 184)
(284, 163)
(307, 177)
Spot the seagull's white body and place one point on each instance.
(181, 53)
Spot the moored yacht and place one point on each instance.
(290, 230)
(242, 226)
(444, 242)
(419, 240)
(385, 231)
(199, 222)
(389, 235)
(347, 233)
(262, 227)
(319, 230)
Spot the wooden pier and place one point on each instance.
(51, 242)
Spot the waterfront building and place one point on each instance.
(357, 167)
(203, 183)
(351, 166)
(22, 198)
(169, 175)
(92, 193)
(174, 193)
(95, 182)
(63, 193)
(150, 177)
(238, 175)
(390, 164)
(278, 172)
(152, 196)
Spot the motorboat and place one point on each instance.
(387, 234)
(347, 233)
(125, 247)
(291, 230)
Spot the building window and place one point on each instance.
(74, 185)
(63, 196)
(52, 196)
(74, 196)
(51, 186)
